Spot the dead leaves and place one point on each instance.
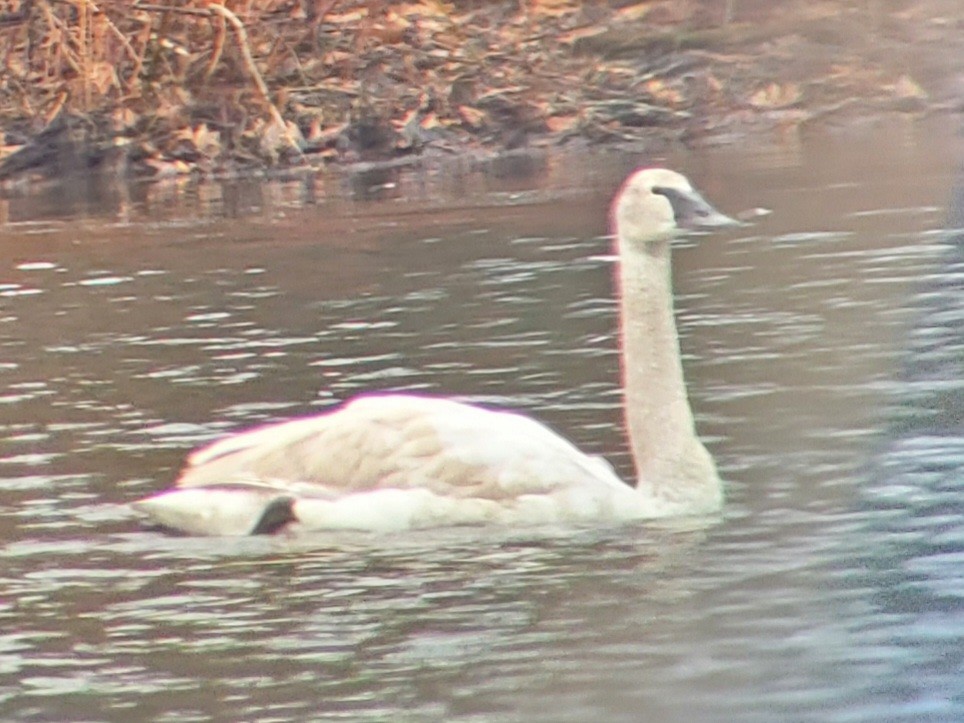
(207, 83)
(277, 138)
(664, 92)
(103, 76)
(775, 95)
(472, 117)
(563, 124)
(550, 8)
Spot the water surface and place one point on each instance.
(823, 351)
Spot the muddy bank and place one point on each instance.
(247, 88)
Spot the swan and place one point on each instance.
(387, 462)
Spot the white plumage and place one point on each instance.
(402, 461)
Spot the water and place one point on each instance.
(824, 355)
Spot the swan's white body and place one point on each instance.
(400, 461)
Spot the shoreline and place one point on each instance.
(418, 87)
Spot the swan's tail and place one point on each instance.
(220, 511)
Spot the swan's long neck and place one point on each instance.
(671, 463)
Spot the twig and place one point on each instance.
(137, 59)
(217, 50)
(85, 41)
(169, 9)
(318, 9)
(61, 50)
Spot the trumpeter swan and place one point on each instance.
(398, 461)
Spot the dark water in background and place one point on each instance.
(825, 358)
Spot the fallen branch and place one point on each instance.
(242, 35)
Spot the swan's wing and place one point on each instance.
(398, 442)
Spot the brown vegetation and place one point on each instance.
(199, 85)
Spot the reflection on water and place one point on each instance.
(913, 544)
(824, 354)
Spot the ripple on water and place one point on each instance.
(824, 368)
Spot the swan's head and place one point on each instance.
(656, 203)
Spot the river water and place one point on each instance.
(825, 357)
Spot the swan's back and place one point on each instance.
(398, 441)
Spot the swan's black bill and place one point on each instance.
(692, 211)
